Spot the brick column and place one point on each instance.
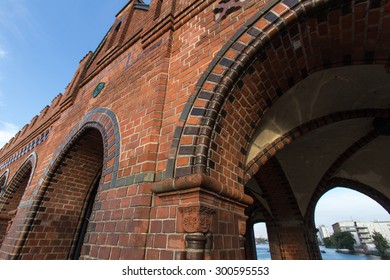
(289, 242)
(249, 242)
(289, 236)
(210, 220)
(196, 221)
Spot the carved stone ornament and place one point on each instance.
(242, 227)
(196, 218)
(226, 7)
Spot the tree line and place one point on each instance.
(345, 240)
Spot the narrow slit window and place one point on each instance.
(158, 9)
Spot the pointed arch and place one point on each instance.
(13, 194)
(270, 54)
(18, 183)
(3, 180)
(94, 142)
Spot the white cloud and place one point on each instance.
(3, 53)
(10, 14)
(7, 131)
(2, 104)
(16, 20)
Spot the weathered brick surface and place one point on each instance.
(183, 94)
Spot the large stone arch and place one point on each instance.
(12, 194)
(279, 27)
(283, 44)
(98, 173)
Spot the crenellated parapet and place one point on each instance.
(136, 23)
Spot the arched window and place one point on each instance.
(3, 181)
(114, 35)
(158, 9)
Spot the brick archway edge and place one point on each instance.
(101, 119)
(226, 69)
(233, 68)
(30, 160)
(105, 121)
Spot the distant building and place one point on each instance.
(323, 232)
(363, 231)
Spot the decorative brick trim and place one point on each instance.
(27, 168)
(226, 7)
(196, 219)
(200, 181)
(106, 122)
(249, 45)
(37, 141)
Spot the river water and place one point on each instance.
(327, 254)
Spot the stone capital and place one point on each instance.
(196, 218)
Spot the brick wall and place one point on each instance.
(183, 93)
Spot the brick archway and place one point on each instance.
(12, 195)
(106, 122)
(61, 211)
(282, 45)
(98, 124)
(17, 185)
(3, 180)
(263, 60)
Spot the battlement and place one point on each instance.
(38, 126)
(130, 20)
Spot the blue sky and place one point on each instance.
(41, 44)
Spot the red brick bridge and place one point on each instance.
(193, 120)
